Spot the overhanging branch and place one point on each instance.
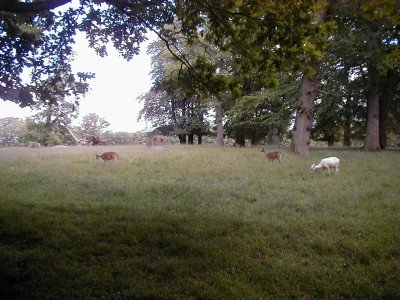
(14, 6)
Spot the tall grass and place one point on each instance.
(197, 222)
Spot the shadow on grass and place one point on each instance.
(73, 253)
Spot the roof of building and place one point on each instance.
(164, 129)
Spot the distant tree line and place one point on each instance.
(15, 132)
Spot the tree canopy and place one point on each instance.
(244, 53)
(37, 37)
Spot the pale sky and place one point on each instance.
(114, 91)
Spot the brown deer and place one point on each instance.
(108, 156)
(272, 155)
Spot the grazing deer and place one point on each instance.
(272, 155)
(327, 163)
(108, 156)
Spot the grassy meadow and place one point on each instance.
(188, 222)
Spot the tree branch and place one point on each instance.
(21, 96)
(14, 6)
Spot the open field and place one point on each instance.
(197, 222)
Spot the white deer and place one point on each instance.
(327, 163)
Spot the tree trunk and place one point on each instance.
(240, 137)
(182, 139)
(347, 109)
(190, 139)
(386, 97)
(302, 126)
(383, 113)
(199, 139)
(371, 142)
(240, 132)
(73, 135)
(218, 120)
(255, 138)
(331, 140)
(276, 141)
(347, 132)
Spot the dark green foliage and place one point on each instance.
(233, 41)
(261, 111)
(42, 44)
